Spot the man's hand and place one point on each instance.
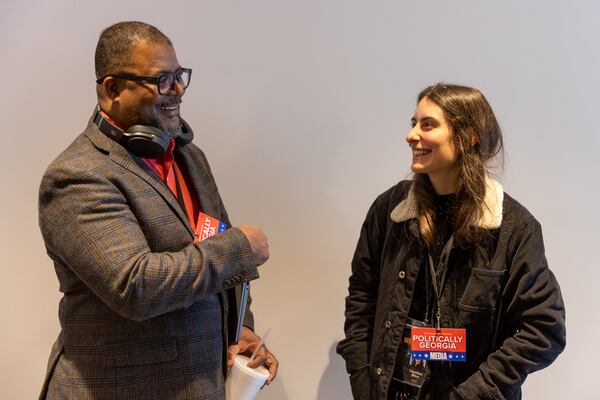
(258, 242)
(246, 346)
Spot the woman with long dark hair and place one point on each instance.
(450, 295)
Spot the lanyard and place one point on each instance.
(444, 267)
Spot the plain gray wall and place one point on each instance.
(302, 108)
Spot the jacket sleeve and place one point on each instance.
(200, 160)
(90, 231)
(361, 304)
(533, 317)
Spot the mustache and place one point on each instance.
(172, 101)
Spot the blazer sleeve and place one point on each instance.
(534, 317)
(89, 229)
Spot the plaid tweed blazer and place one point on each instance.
(146, 312)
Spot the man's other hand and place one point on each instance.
(246, 346)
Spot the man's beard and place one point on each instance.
(173, 130)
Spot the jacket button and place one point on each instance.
(388, 324)
(401, 274)
(379, 371)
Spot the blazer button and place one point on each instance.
(401, 274)
(388, 324)
(379, 371)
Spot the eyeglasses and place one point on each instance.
(164, 82)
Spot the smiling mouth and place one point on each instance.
(420, 152)
(169, 110)
(171, 106)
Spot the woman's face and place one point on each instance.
(432, 145)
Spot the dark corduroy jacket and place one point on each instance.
(500, 289)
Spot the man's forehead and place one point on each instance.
(154, 56)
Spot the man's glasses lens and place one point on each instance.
(166, 81)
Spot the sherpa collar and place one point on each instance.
(492, 206)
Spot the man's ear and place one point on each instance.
(112, 87)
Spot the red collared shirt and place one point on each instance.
(166, 168)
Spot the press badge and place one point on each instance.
(207, 226)
(444, 344)
(413, 371)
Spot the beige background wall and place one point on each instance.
(302, 108)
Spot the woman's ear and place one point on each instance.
(473, 139)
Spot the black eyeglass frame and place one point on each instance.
(152, 79)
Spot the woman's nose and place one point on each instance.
(412, 135)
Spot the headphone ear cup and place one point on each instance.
(186, 135)
(145, 141)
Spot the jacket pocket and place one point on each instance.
(482, 291)
(153, 352)
(124, 354)
(476, 312)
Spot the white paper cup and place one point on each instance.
(243, 382)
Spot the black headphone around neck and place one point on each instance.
(142, 140)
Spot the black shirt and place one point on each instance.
(444, 211)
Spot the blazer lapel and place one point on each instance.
(202, 182)
(135, 165)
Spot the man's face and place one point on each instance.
(140, 103)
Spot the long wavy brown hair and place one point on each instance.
(477, 139)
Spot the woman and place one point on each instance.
(450, 249)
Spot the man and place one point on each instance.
(148, 312)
